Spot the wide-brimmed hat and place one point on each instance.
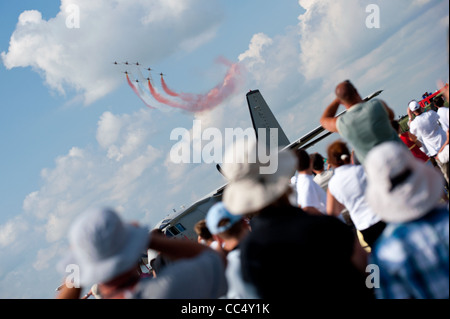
(216, 214)
(252, 184)
(401, 188)
(103, 246)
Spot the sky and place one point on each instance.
(75, 135)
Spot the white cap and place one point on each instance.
(414, 106)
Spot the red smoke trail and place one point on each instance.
(166, 88)
(202, 102)
(158, 97)
(137, 92)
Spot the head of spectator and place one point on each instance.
(226, 228)
(250, 187)
(347, 94)
(438, 101)
(415, 108)
(304, 163)
(318, 163)
(401, 188)
(338, 154)
(204, 236)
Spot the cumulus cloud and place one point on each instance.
(75, 49)
(332, 42)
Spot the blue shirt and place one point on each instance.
(413, 258)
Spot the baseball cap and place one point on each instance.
(217, 213)
(414, 106)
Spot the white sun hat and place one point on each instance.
(401, 188)
(103, 246)
(252, 186)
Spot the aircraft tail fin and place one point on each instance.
(263, 118)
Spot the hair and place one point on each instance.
(202, 230)
(317, 161)
(345, 91)
(234, 231)
(438, 101)
(338, 154)
(395, 125)
(303, 161)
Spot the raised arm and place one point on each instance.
(328, 119)
(176, 248)
(390, 112)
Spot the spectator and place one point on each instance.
(426, 125)
(442, 111)
(443, 159)
(107, 251)
(412, 253)
(229, 230)
(411, 142)
(310, 196)
(322, 175)
(364, 125)
(346, 189)
(315, 255)
(204, 236)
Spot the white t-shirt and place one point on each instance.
(443, 156)
(348, 186)
(309, 193)
(443, 117)
(237, 287)
(426, 125)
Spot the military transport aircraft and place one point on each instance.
(181, 224)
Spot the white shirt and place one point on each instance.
(426, 125)
(323, 178)
(443, 117)
(348, 186)
(309, 193)
(443, 157)
(237, 287)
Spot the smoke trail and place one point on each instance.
(158, 97)
(166, 88)
(135, 90)
(202, 102)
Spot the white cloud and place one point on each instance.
(12, 231)
(257, 43)
(81, 58)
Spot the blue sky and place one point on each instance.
(73, 134)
